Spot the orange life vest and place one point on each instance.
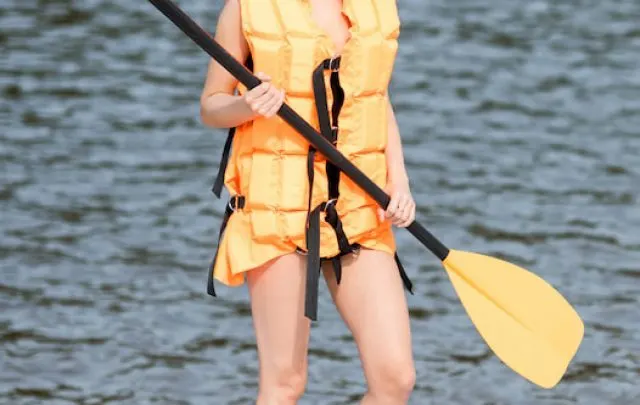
(272, 168)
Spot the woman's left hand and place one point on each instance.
(401, 209)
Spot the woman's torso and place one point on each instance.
(287, 40)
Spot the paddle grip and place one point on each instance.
(244, 76)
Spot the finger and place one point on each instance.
(273, 105)
(260, 89)
(277, 104)
(252, 95)
(393, 205)
(381, 214)
(405, 210)
(264, 102)
(273, 101)
(257, 92)
(399, 215)
(411, 217)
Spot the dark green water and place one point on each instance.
(521, 125)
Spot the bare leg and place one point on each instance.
(371, 301)
(282, 331)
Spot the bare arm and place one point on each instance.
(219, 106)
(396, 171)
(401, 209)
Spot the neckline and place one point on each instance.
(331, 45)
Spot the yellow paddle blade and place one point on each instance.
(523, 319)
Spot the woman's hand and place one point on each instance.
(401, 209)
(264, 99)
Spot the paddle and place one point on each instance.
(523, 319)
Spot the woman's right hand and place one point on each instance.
(264, 99)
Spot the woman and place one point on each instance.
(294, 212)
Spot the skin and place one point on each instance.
(370, 298)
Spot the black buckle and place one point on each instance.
(333, 63)
(334, 135)
(332, 201)
(355, 251)
(235, 202)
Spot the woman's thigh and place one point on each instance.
(371, 301)
(277, 304)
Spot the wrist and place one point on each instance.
(398, 177)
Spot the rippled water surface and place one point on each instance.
(520, 123)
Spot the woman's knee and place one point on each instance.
(282, 384)
(393, 380)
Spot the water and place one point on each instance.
(520, 123)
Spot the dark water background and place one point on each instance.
(521, 128)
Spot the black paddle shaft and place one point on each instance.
(244, 76)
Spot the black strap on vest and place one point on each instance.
(235, 203)
(329, 129)
(224, 160)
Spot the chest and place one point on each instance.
(288, 38)
(329, 16)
